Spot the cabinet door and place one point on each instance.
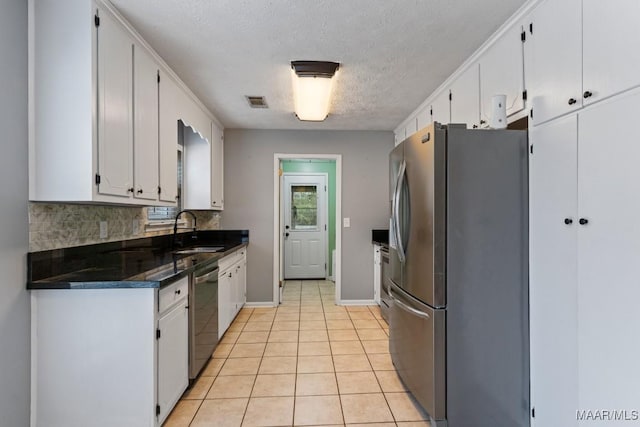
(217, 167)
(411, 127)
(168, 99)
(555, 80)
(610, 47)
(608, 254)
(553, 271)
(441, 108)
(241, 284)
(465, 98)
(145, 125)
(423, 118)
(173, 358)
(502, 73)
(224, 302)
(115, 108)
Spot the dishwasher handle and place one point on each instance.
(206, 277)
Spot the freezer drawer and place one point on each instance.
(417, 346)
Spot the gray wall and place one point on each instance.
(14, 235)
(248, 198)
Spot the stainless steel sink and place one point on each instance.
(200, 250)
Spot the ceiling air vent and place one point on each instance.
(256, 101)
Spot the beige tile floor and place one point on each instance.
(306, 363)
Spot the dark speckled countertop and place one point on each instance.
(139, 263)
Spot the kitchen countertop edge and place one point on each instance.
(135, 284)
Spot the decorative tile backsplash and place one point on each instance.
(59, 225)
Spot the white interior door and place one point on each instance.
(305, 226)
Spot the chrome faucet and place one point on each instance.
(175, 226)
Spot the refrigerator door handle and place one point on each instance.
(393, 224)
(399, 242)
(405, 307)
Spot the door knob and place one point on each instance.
(583, 221)
(572, 101)
(568, 221)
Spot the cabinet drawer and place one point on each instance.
(173, 293)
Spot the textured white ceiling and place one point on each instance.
(394, 53)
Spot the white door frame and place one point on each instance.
(325, 213)
(277, 247)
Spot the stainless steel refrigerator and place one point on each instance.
(459, 274)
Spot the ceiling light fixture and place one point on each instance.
(312, 85)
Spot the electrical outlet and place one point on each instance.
(346, 222)
(104, 232)
(135, 227)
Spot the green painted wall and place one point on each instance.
(320, 166)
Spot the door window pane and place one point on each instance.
(304, 207)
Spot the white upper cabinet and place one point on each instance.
(611, 56)
(465, 98)
(115, 108)
(104, 126)
(145, 125)
(502, 73)
(168, 158)
(441, 108)
(555, 73)
(217, 167)
(424, 119)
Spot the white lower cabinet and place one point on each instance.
(585, 245)
(173, 355)
(232, 288)
(108, 357)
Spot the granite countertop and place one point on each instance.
(140, 263)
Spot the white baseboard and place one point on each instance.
(259, 304)
(357, 302)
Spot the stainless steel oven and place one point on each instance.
(203, 318)
(385, 298)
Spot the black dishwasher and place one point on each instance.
(203, 317)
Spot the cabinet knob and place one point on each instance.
(139, 191)
(587, 94)
(568, 221)
(583, 221)
(130, 190)
(483, 122)
(475, 126)
(572, 101)
(178, 292)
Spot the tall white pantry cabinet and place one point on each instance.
(585, 204)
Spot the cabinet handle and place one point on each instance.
(568, 221)
(572, 101)
(229, 274)
(583, 221)
(587, 94)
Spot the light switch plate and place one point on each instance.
(346, 222)
(103, 230)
